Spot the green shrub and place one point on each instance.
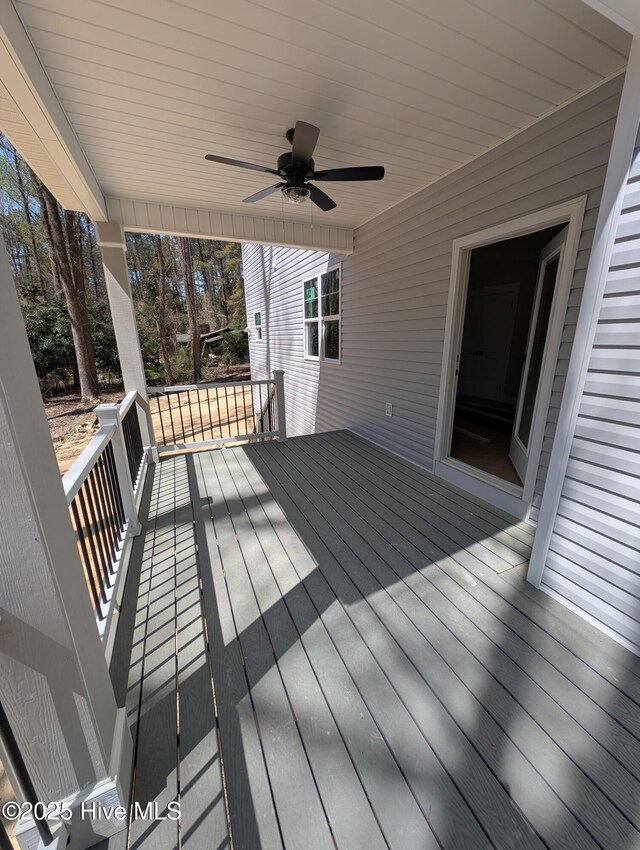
(104, 339)
(182, 365)
(49, 332)
(232, 349)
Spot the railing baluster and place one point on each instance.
(168, 398)
(115, 484)
(117, 518)
(107, 511)
(93, 586)
(210, 416)
(244, 405)
(235, 410)
(92, 546)
(181, 417)
(193, 429)
(100, 493)
(164, 438)
(201, 419)
(218, 409)
(97, 522)
(229, 412)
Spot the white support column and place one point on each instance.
(54, 682)
(113, 247)
(278, 377)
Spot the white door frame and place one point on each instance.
(518, 452)
(506, 496)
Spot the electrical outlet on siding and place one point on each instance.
(388, 409)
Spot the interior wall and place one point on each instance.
(396, 282)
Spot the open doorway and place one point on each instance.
(508, 298)
(510, 291)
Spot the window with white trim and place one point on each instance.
(257, 322)
(322, 316)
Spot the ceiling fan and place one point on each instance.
(296, 169)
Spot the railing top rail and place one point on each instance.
(128, 401)
(205, 386)
(76, 475)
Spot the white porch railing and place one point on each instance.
(104, 485)
(195, 416)
(102, 489)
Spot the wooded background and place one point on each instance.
(179, 285)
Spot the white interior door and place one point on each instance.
(532, 372)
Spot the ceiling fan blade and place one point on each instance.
(263, 194)
(320, 199)
(305, 139)
(365, 172)
(237, 162)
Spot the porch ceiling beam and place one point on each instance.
(144, 217)
(35, 122)
(624, 13)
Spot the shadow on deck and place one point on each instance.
(324, 647)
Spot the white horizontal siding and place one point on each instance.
(594, 554)
(396, 282)
(273, 286)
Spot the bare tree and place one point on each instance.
(24, 194)
(192, 307)
(57, 284)
(162, 309)
(75, 298)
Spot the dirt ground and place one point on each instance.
(206, 415)
(73, 424)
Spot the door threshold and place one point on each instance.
(496, 491)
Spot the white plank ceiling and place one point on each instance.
(419, 86)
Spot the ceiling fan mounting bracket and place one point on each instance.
(287, 168)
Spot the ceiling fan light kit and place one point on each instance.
(297, 167)
(296, 194)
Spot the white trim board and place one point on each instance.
(145, 217)
(624, 13)
(624, 139)
(37, 123)
(478, 483)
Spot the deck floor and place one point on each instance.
(329, 648)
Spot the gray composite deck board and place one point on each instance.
(318, 732)
(452, 625)
(337, 722)
(606, 658)
(289, 770)
(442, 701)
(401, 708)
(203, 807)
(382, 676)
(162, 644)
(518, 651)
